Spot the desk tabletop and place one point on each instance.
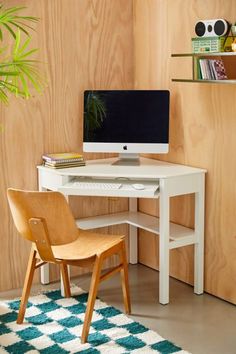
(148, 168)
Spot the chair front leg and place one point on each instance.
(27, 285)
(125, 279)
(92, 297)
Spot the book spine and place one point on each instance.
(63, 166)
(199, 72)
(203, 69)
(220, 69)
(47, 159)
(208, 71)
(211, 74)
(65, 163)
(212, 69)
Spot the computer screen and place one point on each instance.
(126, 121)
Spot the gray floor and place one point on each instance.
(200, 324)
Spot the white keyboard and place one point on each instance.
(95, 185)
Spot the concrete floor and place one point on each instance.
(201, 324)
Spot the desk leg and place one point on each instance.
(68, 267)
(199, 234)
(44, 269)
(164, 248)
(133, 235)
(44, 274)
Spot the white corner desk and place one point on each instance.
(162, 180)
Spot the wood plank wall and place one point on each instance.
(86, 44)
(202, 134)
(113, 44)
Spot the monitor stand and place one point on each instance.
(127, 160)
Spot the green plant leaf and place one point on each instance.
(28, 53)
(10, 30)
(35, 81)
(12, 10)
(30, 18)
(9, 73)
(9, 18)
(19, 73)
(25, 44)
(20, 27)
(3, 96)
(17, 43)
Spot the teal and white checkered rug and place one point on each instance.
(53, 325)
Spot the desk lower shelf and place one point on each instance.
(179, 235)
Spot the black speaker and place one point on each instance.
(212, 28)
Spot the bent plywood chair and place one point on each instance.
(45, 219)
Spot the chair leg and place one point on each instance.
(125, 279)
(27, 286)
(92, 297)
(65, 278)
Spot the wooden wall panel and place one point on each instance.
(86, 44)
(202, 130)
(124, 44)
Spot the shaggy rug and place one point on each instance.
(53, 325)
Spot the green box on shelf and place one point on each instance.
(209, 44)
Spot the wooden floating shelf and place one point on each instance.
(195, 57)
(206, 81)
(207, 54)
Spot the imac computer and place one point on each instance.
(128, 122)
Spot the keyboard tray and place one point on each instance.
(151, 189)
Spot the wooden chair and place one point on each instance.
(45, 219)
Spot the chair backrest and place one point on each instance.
(52, 207)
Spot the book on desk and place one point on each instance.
(63, 160)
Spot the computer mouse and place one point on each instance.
(138, 186)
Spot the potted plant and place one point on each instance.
(19, 73)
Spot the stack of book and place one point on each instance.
(63, 160)
(212, 69)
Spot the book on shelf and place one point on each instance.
(219, 69)
(212, 69)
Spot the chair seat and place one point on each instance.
(87, 245)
